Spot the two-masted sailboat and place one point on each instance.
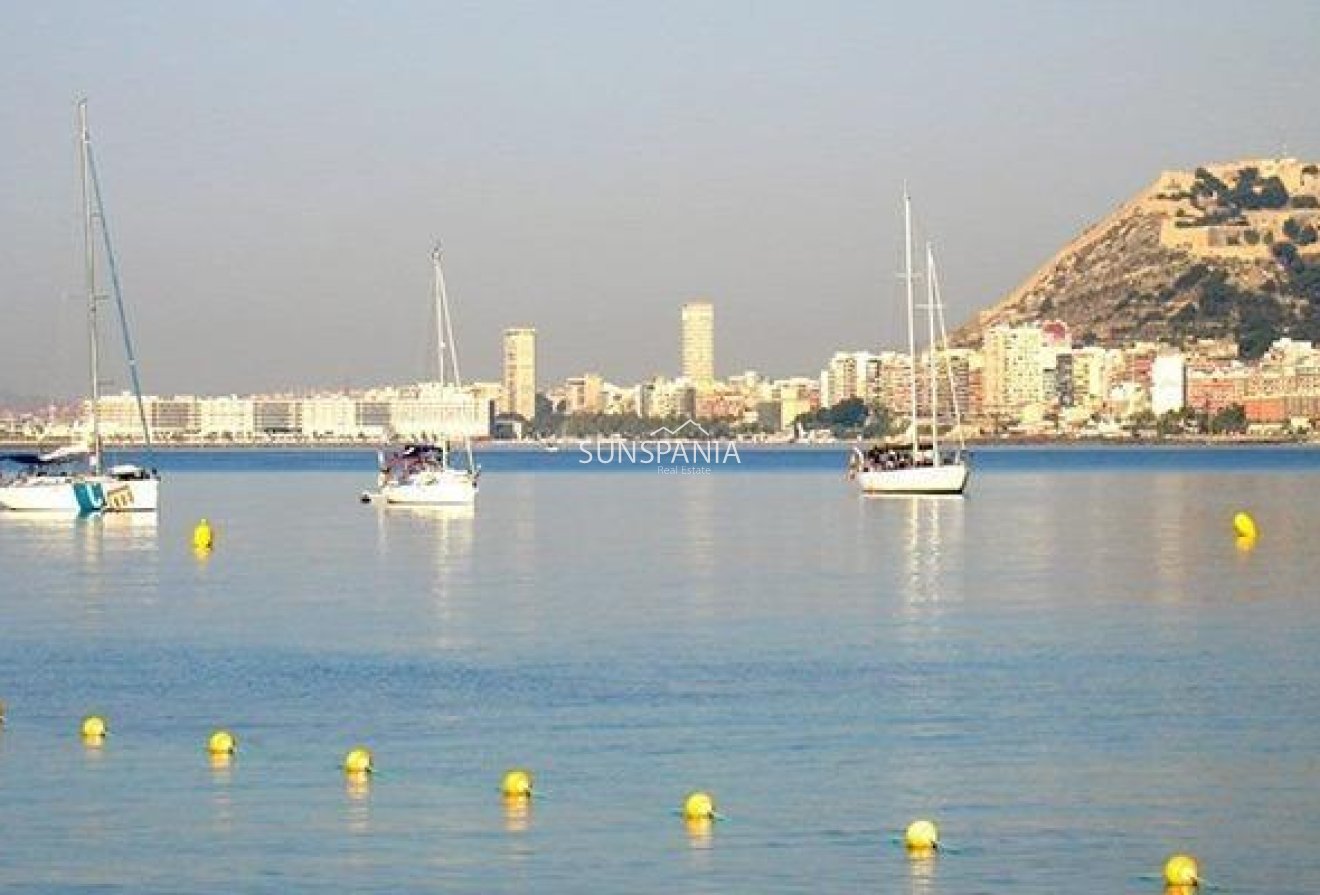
(920, 463)
(77, 478)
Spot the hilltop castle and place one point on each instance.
(1236, 210)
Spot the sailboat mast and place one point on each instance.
(447, 335)
(911, 322)
(930, 356)
(437, 286)
(948, 363)
(89, 274)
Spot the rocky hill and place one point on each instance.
(1228, 251)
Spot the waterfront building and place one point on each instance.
(489, 395)
(698, 343)
(520, 372)
(328, 416)
(662, 398)
(1211, 391)
(849, 375)
(892, 383)
(1168, 391)
(431, 411)
(1013, 379)
(720, 403)
(953, 373)
(226, 417)
(584, 394)
(373, 413)
(619, 399)
(1094, 372)
(273, 416)
(794, 397)
(172, 418)
(119, 415)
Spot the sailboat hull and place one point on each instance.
(431, 489)
(80, 494)
(950, 478)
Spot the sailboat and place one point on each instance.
(76, 478)
(921, 464)
(432, 474)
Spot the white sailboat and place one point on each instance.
(427, 474)
(922, 465)
(75, 479)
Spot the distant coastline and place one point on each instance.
(568, 444)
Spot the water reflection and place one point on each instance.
(446, 531)
(93, 751)
(517, 814)
(82, 535)
(921, 871)
(932, 531)
(700, 832)
(357, 787)
(222, 803)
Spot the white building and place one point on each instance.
(228, 417)
(329, 416)
(1168, 376)
(430, 410)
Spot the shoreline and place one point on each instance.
(570, 445)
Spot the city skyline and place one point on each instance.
(612, 160)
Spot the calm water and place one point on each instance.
(1075, 671)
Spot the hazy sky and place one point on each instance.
(276, 172)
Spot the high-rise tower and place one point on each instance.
(520, 372)
(699, 342)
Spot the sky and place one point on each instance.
(276, 173)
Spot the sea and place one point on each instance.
(1076, 671)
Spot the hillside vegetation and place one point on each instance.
(1225, 252)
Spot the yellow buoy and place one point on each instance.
(222, 742)
(358, 761)
(517, 784)
(922, 835)
(203, 537)
(1181, 870)
(699, 806)
(2, 713)
(1244, 525)
(94, 727)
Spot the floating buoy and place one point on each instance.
(1244, 525)
(699, 806)
(94, 728)
(922, 835)
(203, 537)
(2, 714)
(1181, 870)
(222, 742)
(517, 784)
(358, 761)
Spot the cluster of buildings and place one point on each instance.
(1032, 379)
(1026, 379)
